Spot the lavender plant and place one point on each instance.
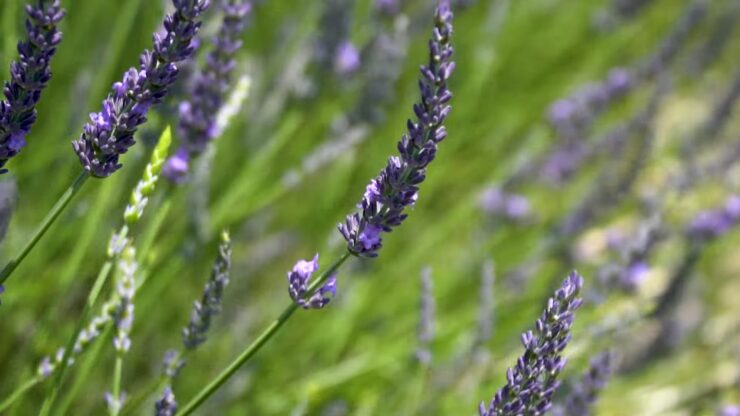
(196, 331)
(198, 125)
(396, 186)
(387, 196)
(533, 381)
(84, 334)
(110, 132)
(29, 76)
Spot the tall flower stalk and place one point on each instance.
(110, 133)
(531, 384)
(28, 76)
(198, 125)
(390, 193)
(396, 187)
(123, 317)
(86, 332)
(196, 331)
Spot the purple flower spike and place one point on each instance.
(387, 196)
(29, 76)
(110, 133)
(198, 124)
(584, 393)
(299, 280)
(532, 382)
(209, 305)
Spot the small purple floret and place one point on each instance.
(299, 280)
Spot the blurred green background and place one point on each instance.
(356, 357)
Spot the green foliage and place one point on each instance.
(513, 59)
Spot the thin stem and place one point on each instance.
(115, 408)
(19, 393)
(45, 225)
(258, 343)
(68, 350)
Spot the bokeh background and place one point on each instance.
(295, 159)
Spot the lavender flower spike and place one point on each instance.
(585, 392)
(28, 76)
(299, 280)
(386, 197)
(532, 382)
(198, 116)
(110, 133)
(210, 305)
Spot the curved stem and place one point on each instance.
(19, 392)
(53, 214)
(258, 343)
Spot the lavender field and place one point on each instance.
(370, 207)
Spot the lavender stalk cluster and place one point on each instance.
(209, 306)
(29, 76)
(710, 224)
(198, 116)
(532, 382)
(110, 133)
(585, 392)
(387, 196)
(299, 280)
(573, 115)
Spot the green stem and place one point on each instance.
(115, 409)
(19, 392)
(45, 225)
(258, 343)
(68, 350)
